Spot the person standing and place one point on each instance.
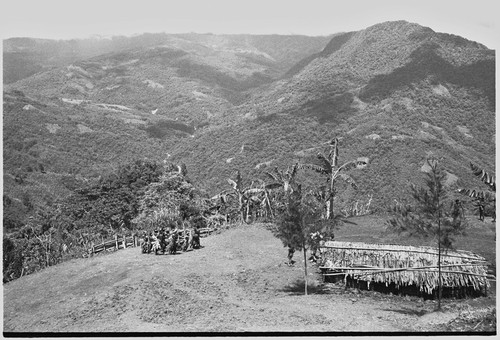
(161, 238)
(481, 211)
(291, 251)
(173, 239)
(195, 242)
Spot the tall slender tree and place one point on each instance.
(298, 222)
(245, 195)
(285, 178)
(328, 166)
(432, 214)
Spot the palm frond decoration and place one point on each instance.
(272, 186)
(245, 195)
(314, 167)
(239, 180)
(233, 184)
(484, 176)
(485, 195)
(282, 178)
(349, 180)
(482, 198)
(352, 165)
(291, 173)
(253, 191)
(275, 175)
(334, 152)
(325, 164)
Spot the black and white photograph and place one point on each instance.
(274, 168)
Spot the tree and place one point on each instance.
(245, 195)
(482, 198)
(171, 198)
(432, 215)
(12, 259)
(113, 201)
(297, 223)
(328, 165)
(282, 178)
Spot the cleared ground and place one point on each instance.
(237, 282)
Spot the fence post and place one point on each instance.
(135, 240)
(124, 241)
(92, 253)
(116, 241)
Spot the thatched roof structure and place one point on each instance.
(404, 265)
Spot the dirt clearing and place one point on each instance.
(237, 282)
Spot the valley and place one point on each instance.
(124, 135)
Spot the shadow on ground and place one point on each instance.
(298, 287)
(417, 312)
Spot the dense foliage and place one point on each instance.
(114, 200)
(121, 202)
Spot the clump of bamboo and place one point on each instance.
(405, 265)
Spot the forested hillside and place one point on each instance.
(393, 93)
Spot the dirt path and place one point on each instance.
(237, 282)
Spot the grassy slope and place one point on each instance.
(237, 282)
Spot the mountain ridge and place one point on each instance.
(396, 92)
(47, 53)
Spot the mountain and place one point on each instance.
(191, 77)
(101, 103)
(24, 57)
(395, 92)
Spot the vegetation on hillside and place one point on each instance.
(395, 93)
(120, 202)
(24, 57)
(329, 166)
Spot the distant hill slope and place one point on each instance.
(24, 57)
(192, 77)
(95, 104)
(395, 92)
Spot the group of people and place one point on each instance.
(169, 240)
(317, 240)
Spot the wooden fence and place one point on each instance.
(119, 242)
(122, 242)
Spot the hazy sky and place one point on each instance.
(476, 20)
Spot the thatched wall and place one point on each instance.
(404, 265)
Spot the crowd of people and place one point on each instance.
(170, 240)
(317, 240)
